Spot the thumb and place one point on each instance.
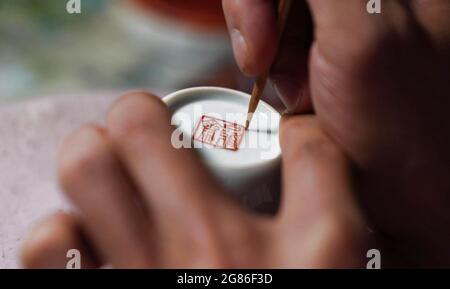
(316, 175)
(318, 198)
(253, 31)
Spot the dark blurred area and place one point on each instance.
(113, 45)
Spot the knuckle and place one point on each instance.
(80, 155)
(135, 112)
(303, 137)
(33, 250)
(49, 237)
(338, 232)
(293, 126)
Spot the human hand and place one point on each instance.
(379, 85)
(143, 203)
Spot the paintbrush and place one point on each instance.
(260, 83)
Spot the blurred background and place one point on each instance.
(113, 45)
(59, 71)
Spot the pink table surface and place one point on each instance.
(30, 133)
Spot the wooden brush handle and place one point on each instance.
(260, 83)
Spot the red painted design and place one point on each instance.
(219, 133)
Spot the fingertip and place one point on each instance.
(136, 111)
(295, 129)
(302, 136)
(79, 154)
(49, 241)
(36, 243)
(253, 32)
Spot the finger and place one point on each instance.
(289, 72)
(253, 31)
(95, 182)
(433, 15)
(318, 192)
(140, 127)
(48, 244)
(345, 29)
(312, 163)
(191, 211)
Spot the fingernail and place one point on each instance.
(239, 47)
(287, 112)
(290, 101)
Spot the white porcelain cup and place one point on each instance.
(247, 163)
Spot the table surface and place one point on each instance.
(31, 132)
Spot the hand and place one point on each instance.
(379, 85)
(143, 203)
